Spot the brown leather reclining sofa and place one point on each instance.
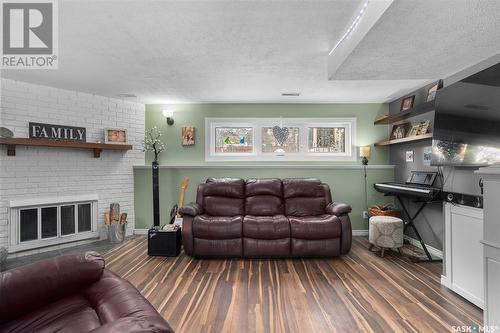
(263, 218)
(73, 293)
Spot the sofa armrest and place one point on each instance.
(191, 209)
(30, 287)
(120, 307)
(338, 208)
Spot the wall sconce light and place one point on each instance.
(364, 152)
(169, 114)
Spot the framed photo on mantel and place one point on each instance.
(115, 135)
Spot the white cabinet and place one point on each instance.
(491, 245)
(464, 252)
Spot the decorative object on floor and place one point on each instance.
(427, 155)
(399, 131)
(385, 232)
(116, 223)
(56, 132)
(164, 242)
(388, 209)
(78, 295)
(153, 143)
(407, 103)
(169, 116)
(115, 135)
(6, 133)
(264, 218)
(188, 136)
(431, 93)
(364, 152)
(409, 156)
(174, 212)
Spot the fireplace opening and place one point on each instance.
(46, 224)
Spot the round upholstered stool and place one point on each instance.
(385, 232)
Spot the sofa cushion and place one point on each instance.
(218, 247)
(264, 197)
(225, 187)
(302, 187)
(266, 248)
(266, 227)
(304, 197)
(70, 314)
(224, 197)
(217, 227)
(305, 206)
(315, 227)
(315, 247)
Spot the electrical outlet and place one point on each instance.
(365, 214)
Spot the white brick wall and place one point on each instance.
(41, 171)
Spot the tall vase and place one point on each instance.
(156, 195)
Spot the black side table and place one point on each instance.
(164, 243)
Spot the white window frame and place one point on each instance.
(302, 123)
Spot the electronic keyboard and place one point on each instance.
(418, 185)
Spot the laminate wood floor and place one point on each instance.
(360, 292)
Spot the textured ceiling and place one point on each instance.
(252, 51)
(425, 39)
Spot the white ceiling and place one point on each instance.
(251, 51)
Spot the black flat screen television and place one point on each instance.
(467, 121)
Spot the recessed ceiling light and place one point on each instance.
(126, 95)
(290, 94)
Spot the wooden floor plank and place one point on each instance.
(359, 292)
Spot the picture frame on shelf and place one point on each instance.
(115, 135)
(431, 92)
(415, 129)
(424, 127)
(399, 131)
(407, 103)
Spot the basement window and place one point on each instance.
(304, 139)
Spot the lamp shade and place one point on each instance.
(168, 113)
(364, 151)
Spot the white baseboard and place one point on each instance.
(432, 250)
(360, 232)
(444, 281)
(140, 231)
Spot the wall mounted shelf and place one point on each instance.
(414, 111)
(427, 136)
(11, 144)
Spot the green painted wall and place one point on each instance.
(347, 184)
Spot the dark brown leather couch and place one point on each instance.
(262, 218)
(73, 293)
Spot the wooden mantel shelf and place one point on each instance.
(11, 144)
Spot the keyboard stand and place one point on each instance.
(412, 225)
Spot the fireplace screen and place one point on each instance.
(55, 221)
(28, 224)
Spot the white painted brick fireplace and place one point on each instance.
(38, 173)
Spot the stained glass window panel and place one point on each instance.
(270, 144)
(233, 140)
(327, 139)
